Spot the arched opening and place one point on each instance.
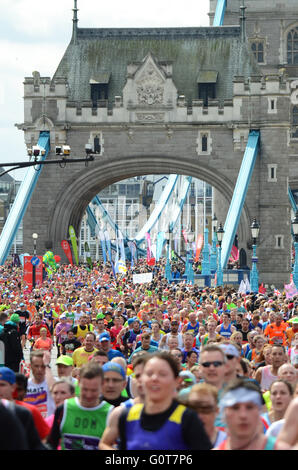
(80, 189)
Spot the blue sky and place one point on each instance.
(35, 33)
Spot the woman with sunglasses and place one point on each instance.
(203, 398)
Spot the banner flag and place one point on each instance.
(67, 250)
(290, 290)
(88, 257)
(159, 244)
(73, 240)
(121, 246)
(103, 246)
(199, 246)
(148, 247)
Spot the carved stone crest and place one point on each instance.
(150, 87)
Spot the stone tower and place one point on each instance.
(171, 100)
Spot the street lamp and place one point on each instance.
(295, 233)
(168, 273)
(189, 261)
(254, 275)
(213, 256)
(220, 233)
(35, 237)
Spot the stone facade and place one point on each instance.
(152, 121)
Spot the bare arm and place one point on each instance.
(111, 432)
(288, 435)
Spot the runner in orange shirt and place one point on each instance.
(276, 332)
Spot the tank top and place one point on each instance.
(168, 437)
(81, 428)
(267, 378)
(225, 332)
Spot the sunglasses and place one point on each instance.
(212, 363)
(230, 357)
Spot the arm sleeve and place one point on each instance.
(194, 433)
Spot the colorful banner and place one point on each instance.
(103, 246)
(74, 244)
(159, 244)
(67, 250)
(121, 246)
(88, 256)
(290, 290)
(199, 246)
(28, 272)
(148, 238)
(234, 253)
(184, 233)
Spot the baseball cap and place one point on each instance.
(65, 360)
(130, 321)
(100, 316)
(7, 375)
(187, 376)
(104, 337)
(229, 350)
(22, 305)
(63, 316)
(114, 367)
(15, 318)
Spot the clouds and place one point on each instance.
(34, 35)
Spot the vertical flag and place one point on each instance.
(88, 257)
(103, 246)
(67, 250)
(159, 244)
(199, 246)
(148, 247)
(73, 240)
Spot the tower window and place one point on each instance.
(257, 48)
(207, 80)
(204, 143)
(295, 122)
(97, 146)
(292, 46)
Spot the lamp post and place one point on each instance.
(35, 237)
(295, 233)
(213, 256)
(189, 269)
(254, 275)
(168, 273)
(220, 233)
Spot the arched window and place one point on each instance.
(257, 48)
(292, 46)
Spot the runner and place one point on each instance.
(241, 405)
(80, 422)
(161, 423)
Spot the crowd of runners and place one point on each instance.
(118, 365)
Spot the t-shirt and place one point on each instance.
(41, 424)
(39, 395)
(69, 345)
(41, 343)
(81, 356)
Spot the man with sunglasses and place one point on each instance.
(233, 359)
(214, 366)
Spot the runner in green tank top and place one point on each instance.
(80, 422)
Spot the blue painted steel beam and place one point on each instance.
(292, 200)
(177, 210)
(219, 13)
(239, 195)
(22, 200)
(157, 211)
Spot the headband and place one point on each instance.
(240, 395)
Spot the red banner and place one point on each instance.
(28, 272)
(200, 243)
(67, 250)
